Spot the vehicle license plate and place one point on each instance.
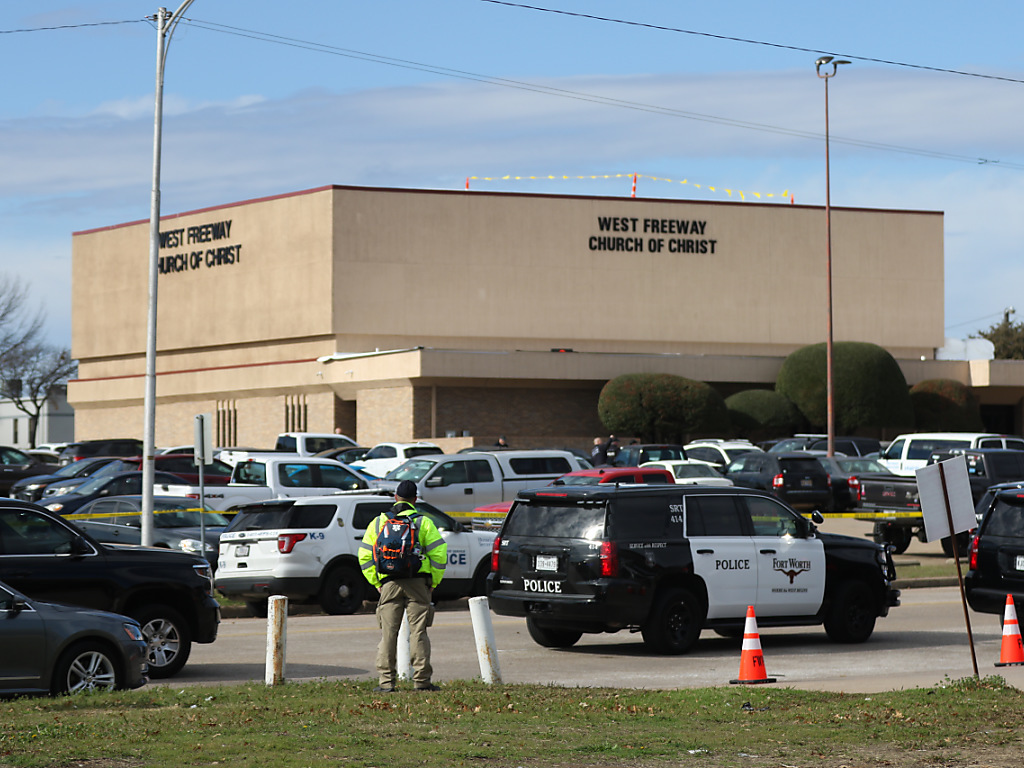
(806, 482)
(242, 550)
(547, 563)
(1020, 563)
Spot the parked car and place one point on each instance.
(845, 472)
(987, 467)
(640, 453)
(123, 484)
(692, 472)
(178, 523)
(89, 448)
(718, 452)
(32, 488)
(311, 443)
(384, 457)
(848, 446)
(796, 477)
(183, 465)
(16, 465)
(997, 555)
(170, 594)
(54, 648)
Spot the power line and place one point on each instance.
(71, 26)
(748, 41)
(211, 26)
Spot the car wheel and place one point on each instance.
(674, 623)
(257, 608)
(895, 536)
(551, 638)
(851, 616)
(343, 591)
(168, 639)
(85, 666)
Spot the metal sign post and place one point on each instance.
(203, 455)
(947, 509)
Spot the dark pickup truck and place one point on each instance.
(892, 503)
(169, 593)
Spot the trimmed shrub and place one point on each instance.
(945, 405)
(870, 390)
(660, 407)
(758, 414)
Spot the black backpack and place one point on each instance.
(396, 553)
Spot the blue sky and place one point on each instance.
(248, 114)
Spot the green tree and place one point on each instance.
(759, 414)
(870, 389)
(660, 407)
(1007, 337)
(945, 405)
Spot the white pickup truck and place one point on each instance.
(275, 476)
(459, 482)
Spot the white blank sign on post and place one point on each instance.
(933, 497)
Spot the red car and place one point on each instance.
(180, 464)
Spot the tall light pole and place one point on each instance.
(165, 25)
(830, 402)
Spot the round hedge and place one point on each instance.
(945, 405)
(870, 390)
(660, 407)
(759, 414)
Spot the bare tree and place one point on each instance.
(32, 374)
(19, 326)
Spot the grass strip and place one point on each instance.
(472, 724)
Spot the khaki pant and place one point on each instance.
(398, 596)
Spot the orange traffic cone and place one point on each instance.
(752, 669)
(1012, 652)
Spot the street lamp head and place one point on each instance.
(825, 60)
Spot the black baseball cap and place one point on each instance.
(406, 490)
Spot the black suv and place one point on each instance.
(671, 561)
(797, 478)
(169, 593)
(640, 453)
(89, 448)
(997, 554)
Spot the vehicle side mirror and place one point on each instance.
(817, 518)
(434, 482)
(18, 605)
(79, 546)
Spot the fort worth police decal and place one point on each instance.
(792, 568)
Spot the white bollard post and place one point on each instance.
(483, 631)
(404, 657)
(277, 636)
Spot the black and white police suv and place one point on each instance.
(671, 561)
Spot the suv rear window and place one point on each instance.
(556, 522)
(803, 466)
(274, 516)
(541, 465)
(1006, 519)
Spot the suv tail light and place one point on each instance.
(973, 562)
(609, 559)
(853, 483)
(778, 482)
(286, 542)
(495, 550)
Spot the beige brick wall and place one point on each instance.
(385, 415)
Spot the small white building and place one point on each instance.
(56, 422)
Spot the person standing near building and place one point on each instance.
(411, 595)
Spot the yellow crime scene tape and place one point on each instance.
(98, 515)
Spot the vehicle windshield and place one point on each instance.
(579, 480)
(853, 466)
(694, 470)
(732, 453)
(92, 485)
(412, 470)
